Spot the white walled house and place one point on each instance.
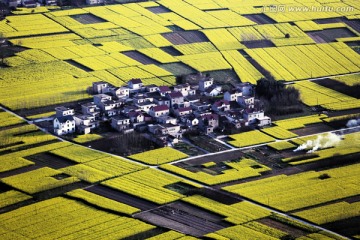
(213, 91)
(221, 106)
(152, 88)
(64, 111)
(120, 123)
(175, 98)
(84, 123)
(205, 83)
(64, 125)
(158, 111)
(120, 92)
(136, 117)
(135, 84)
(101, 98)
(145, 106)
(163, 90)
(183, 88)
(100, 87)
(246, 89)
(182, 111)
(246, 101)
(232, 95)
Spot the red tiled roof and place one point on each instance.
(185, 109)
(175, 94)
(164, 89)
(160, 108)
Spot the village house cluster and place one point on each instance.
(165, 113)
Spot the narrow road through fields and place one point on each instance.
(340, 132)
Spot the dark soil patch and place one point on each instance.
(353, 199)
(185, 37)
(55, 192)
(329, 20)
(218, 195)
(47, 159)
(4, 188)
(78, 65)
(354, 24)
(158, 9)
(140, 57)
(175, 38)
(181, 188)
(330, 35)
(260, 18)
(224, 77)
(28, 146)
(188, 149)
(348, 227)
(87, 18)
(11, 144)
(122, 197)
(178, 69)
(312, 129)
(172, 51)
(353, 91)
(146, 234)
(207, 143)
(174, 28)
(18, 171)
(123, 144)
(16, 205)
(258, 44)
(295, 232)
(184, 218)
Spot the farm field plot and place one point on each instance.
(250, 138)
(92, 39)
(324, 146)
(63, 218)
(159, 156)
(230, 171)
(303, 189)
(148, 184)
(58, 189)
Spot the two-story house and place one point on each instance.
(64, 125)
(120, 123)
(164, 90)
(135, 84)
(205, 83)
(145, 106)
(158, 111)
(100, 87)
(232, 95)
(84, 123)
(221, 106)
(64, 111)
(209, 122)
(246, 101)
(120, 92)
(182, 111)
(176, 98)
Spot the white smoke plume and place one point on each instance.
(353, 123)
(322, 141)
